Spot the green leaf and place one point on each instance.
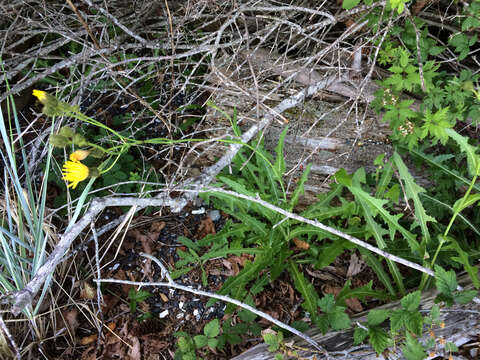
(411, 302)
(212, 343)
(359, 335)
(463, 259)
(379, 339)
(360, 293)
(200, 341)
(412, 191)
(413, 350)
(446, 281)
(279, 165)
(338, 319)
(305, 288)
(377, 267)
(375, 206)
(451, 347)
(377, 316)
(414, 322)
(299, 190)
(463, 203)
(472, 158)
(350, 4)
(464, 297)
(271, 340)
(212, 328)
(343, 178)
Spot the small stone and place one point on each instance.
(198, 211)
(180, 316)
(164, 297)
(163, 314)
(214, 215)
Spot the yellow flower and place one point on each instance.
(41, 96)
(74, 172)
(78, 155)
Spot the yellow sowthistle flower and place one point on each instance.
(51, 105)
(74, 172)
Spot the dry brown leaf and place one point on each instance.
(87, 340)
(71, 320)
(356, 265)
(164, 297)
(354, 304)
(206, 227)
(157, 226)
(300, 244)
(87, 291)
(134, 352)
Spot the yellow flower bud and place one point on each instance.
(79, 155)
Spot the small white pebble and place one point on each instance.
(198, 211)
(214, 215)
(180, 305)
(163, 314)
(180, 316)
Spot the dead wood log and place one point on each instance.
(462, 325)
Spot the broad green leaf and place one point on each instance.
(411, 302)
(350, 4)
(446, 281)
(464, 297)
(379, 339)
(413, 350)
(338, 319)
(200, 341)
(359, 335)
(412, 191)
(212, 328)
(377, 316)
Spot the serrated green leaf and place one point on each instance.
(212, 328)
(359, 335)
(377, 316)
(412, 191)
(464, 297)
(200, 341)
(378, 338)
(338, 319)
(473, 160)
(413, 350)
(463, 259)
(411, 301)
(305, 288)
(376, 207)
(397, 318)
(446, 281)
(212, 343)
(327, 303)
(414, 322)
(360, 293)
